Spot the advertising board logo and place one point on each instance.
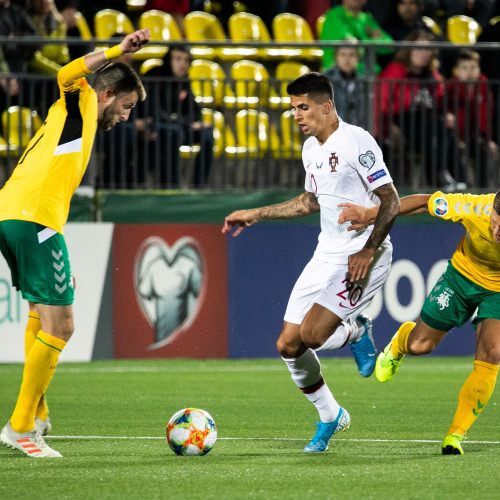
(169, 285)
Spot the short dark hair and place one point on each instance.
(316, 85)
(121, 78)
(467, 55)
(496, 202)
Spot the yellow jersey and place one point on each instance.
(477, 256)
(54, 162)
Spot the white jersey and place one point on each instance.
(347, 167)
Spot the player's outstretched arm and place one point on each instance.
(362, 217)
(304, 204)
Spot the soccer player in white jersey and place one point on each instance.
(342, 162)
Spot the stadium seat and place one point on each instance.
(494, 20)
(293, 28)
(319, 25)
(19, 124)
(291, 141)
(245, 27)
(82, 26)
(136, 5)
(209, 84)
(252, 133)
(251, 81)
(108, 22)
(149, 64)
(202, 26)
(432, 25)
(462, 29)
(224, 141)
(163, 27)
(287, 71)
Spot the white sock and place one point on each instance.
(345, 332)
(325, 403)
(306, 372)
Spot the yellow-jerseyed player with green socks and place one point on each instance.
(34, 206)
(470, 283)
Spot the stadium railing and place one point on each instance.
(260, 148)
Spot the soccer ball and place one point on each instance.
(191, 431)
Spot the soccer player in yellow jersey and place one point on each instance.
(470, 283)
(34, 206)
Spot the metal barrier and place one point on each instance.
(245, 135)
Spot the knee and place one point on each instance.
(63, 329)
(289, 349)
(312, 336)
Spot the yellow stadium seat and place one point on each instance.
(224, 141)
(163, 27)
(82, 26)
(494, 20)
(462, 29)
(19, 124)
(291, 140)
(432, 25)
(251, 81)
(209, 84)
(245, 27)
(252, 133)
(150, 64)
(293, 28)
(108, 22)
(319, 25)
(202, 26)
(136, 5)
(287, 71)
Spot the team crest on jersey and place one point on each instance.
(333, 161)
(440, 207)
(367, 159)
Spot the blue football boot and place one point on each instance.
(324, 432)
(364, 349)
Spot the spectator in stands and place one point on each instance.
(410, 98)
(48, 23)
(15, 22)
(350, 95)
(406, 18)
(349, 21)
(177, 117)
(470, 99)
(68, 10)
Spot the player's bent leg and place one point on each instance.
(390, 359)
(31, 443)
(305, 370)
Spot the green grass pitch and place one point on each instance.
(109, 420)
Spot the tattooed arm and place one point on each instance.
(360, 262)
(304, 204)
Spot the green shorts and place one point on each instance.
(454, 299)
(38, 260)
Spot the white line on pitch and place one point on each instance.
(357, 440)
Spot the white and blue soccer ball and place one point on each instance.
(191, 431)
